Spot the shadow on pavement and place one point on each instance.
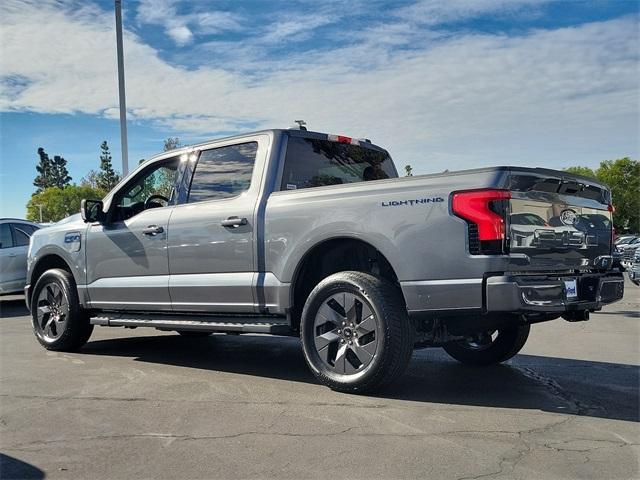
(12, 468)
(13, 307)
(625, 313)
(596, 389)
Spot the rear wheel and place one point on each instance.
(490, 347)
(356, 335)
(59, 323)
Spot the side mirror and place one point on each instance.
(91, 211)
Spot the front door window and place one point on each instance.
(151, 189)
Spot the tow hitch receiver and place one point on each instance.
(576, 316)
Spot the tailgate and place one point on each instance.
(559, 220)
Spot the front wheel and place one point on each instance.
(490, 347)
(59, 323)
(356, 335)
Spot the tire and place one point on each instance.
(193, 333)
(374, 320)
(59, 322)
(504, 346)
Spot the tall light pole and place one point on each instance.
(40, 207)
(123, 102)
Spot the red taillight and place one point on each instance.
(476, 207)
(611, 208)
(342, 139)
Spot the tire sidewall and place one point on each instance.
(74, 327)
(508, 343)
(324, 290)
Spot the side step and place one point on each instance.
(274, 325)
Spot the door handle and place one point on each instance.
(153, 230)
(234, 222)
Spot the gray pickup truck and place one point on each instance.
(292, 232)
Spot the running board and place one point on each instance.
(273, 325)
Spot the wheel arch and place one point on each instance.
(330, 256)
(47, 262)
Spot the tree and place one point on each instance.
(58, 203)
(584, 171)
(107, 178)
(44, 168)
(51, 173)
(90, 179)
(623, 178)
(171, 143)
(59, 172)
(409, 170)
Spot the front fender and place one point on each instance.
(66, 244)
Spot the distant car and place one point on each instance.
(627, 250)
(629, 246)
(634, 269)
(625, 239)
(14, 245)
(627, 255)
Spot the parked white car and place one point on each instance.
(14, 245)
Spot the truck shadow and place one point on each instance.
(579, 387)
(12, 306)
(12, 468)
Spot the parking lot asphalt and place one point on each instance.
(148, 404)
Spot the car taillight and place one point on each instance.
(486, 212)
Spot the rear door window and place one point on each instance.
(6, 240)
(223, 172)
(20, 235)
(315, 163)
(27, 228)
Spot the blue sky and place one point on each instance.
(441, 85)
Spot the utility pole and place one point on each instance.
(123, 103)
(40, 207)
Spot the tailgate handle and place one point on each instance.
(234, 222)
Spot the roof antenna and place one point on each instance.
(301, 124)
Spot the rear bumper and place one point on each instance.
(549, 294)
(522, 294)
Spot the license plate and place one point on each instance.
(571, 288)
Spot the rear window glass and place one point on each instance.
(316, 163)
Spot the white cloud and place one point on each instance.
(437, 12)
(453, 101)
(294, 26)
(180, 34)
(182, 27)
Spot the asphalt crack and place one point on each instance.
(579, 407)
(510, 459)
